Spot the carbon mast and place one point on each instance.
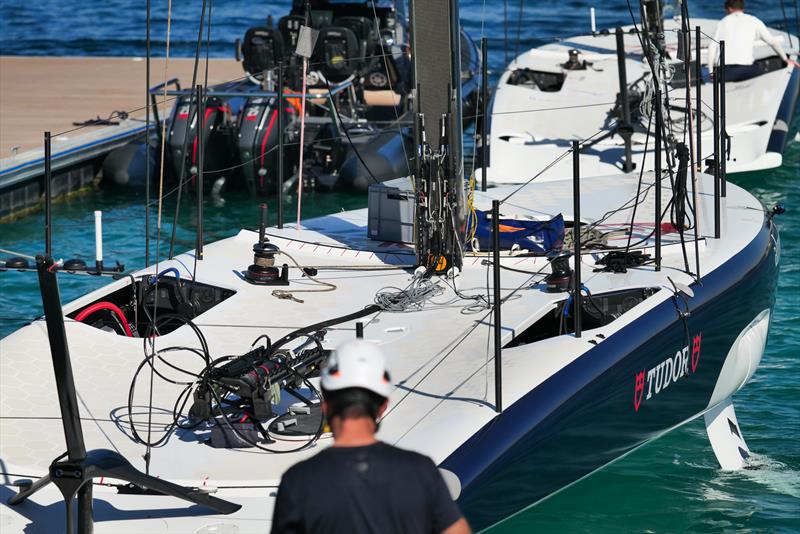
(438, 171)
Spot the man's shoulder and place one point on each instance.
(307, 467)
(329, 458)
(747, 18)
(403, 455)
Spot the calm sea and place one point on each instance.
(671, 485)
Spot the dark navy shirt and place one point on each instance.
(376, 488)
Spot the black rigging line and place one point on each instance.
(188, 124)
(388, 75)
(347, 133)
(519, 27)
(641, 175)
(158, 251)
(147, 141)
(201, 130)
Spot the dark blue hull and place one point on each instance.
(782, 129)
(606, 403)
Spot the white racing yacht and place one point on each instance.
(575, 87)
(520, 363)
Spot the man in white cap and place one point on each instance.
(361, 484)
(740, 32)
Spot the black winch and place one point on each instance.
(560, 278)
(263, 270)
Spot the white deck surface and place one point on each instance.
(529, 125)
(438, 356)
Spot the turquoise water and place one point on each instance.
(671, 485)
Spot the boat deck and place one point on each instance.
(533, 125)
(439, 356)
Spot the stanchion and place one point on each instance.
(279, 180)
(484, 110)
(577, 301)
(698, 83)
(201, 127)
(498, 325)
(723, 134)
(717, 157)
(624, 129)
(48, 197)
(659, 125)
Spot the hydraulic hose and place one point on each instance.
(105, 305)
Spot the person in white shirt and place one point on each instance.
(740, 32)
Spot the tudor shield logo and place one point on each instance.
(668, 371)
(639, 390)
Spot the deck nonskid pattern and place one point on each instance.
(438, 356)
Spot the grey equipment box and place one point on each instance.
(391, 211)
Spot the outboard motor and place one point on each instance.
(338, 53)
(258, 143)
(262, 49)
(216, 130)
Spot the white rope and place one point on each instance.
(289, 294)
(20, 254)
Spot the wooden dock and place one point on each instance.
(39, 94)
(50, 93)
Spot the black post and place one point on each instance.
(698, 82)
(74, 475)
(624, 128)
(484, 110)
(359, 330)
(279, 180)
(201, 129)
(723, 159)
(498, 325)
(85, 509)
(717, 75)
(48, 197)
(717, 158)
(577, 303)
(59, 350)
(659, 125)
(262, 227)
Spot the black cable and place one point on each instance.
(641, 175)
(148, 360)
(200, 129)
(347, 134)
(147, 141)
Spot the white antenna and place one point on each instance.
(594, 22)
(98, 239)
